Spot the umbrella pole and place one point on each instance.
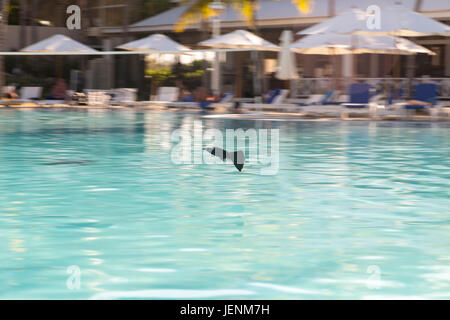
(411, 71)
(334, 69)
(238, 76)
(256, 74)
(354, 59)
(59, 67)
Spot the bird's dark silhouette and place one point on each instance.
(237, 157)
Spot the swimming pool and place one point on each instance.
(92, 207)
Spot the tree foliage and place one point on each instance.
(199, 10)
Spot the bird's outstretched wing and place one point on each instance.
(237, 157)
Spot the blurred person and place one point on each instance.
(12, 94)
(59, 90)
(200, 94)
(184, 94)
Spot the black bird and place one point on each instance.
(237, 157)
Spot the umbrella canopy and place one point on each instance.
(393, 20)
(154, 43)
(58, 43)
(287, 68)
(337, 44)
(240, 39)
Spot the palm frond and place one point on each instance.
(247, 9)
(304, 6)
(197, 11)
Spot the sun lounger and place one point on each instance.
(166, 95)
(360, 101)
(30, 93)
(4, 91)
(97, 97)
(424, 98)
(324, 104)
(445, 109)
(51, 102)
(275, 102)
(424, 92)
(8, 89)
(123, 96)
(225, 102)
(321, 99)
(27, 95)
(333, 110)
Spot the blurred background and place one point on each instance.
(106, 24)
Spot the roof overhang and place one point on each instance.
(303, 21)
(267, 23)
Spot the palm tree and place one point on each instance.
(200, 9)
(3, 24)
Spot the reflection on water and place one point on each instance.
(349, 197)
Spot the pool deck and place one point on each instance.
(223, 113)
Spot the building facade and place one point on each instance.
(275, 16)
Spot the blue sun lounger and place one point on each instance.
(189, 103)
(360, 101)
(425, 92)
(275, 101)
(359, 96)
(325, 99)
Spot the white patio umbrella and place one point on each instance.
(58, 43)
(154, 43)
(395, 20)
(241, 39)
(287, 67)
(160, 45)
(338, 44)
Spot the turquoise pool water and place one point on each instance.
(357, 210)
